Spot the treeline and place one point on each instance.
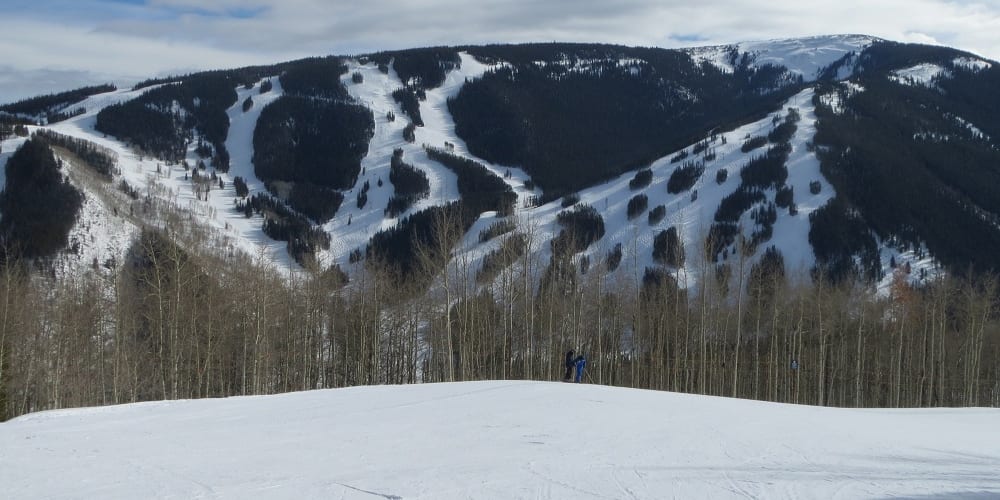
(44, 107)
(759, 175)
(510, 250)
(418, 246)
(153, 124)
(316, 77)
(293, 146)
(409, 101)
(178, 325)
(899, 157)
(162, 121)
(280, 223)
(38, 205)
(409, 184)
(685, 176)
(582, 226)
(582, 116)
(420, 68)
(103, 160)
(481, 189)
(292, 141)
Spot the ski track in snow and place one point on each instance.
(501, 439)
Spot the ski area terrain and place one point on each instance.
(500, 440)
(320, 190)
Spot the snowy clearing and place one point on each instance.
(804, 56)
(922, 74)
(502, 439)
(974, 65)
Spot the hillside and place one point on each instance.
(697, 218)
(498, 440)
(573, 120)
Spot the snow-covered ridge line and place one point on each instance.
(802, 56)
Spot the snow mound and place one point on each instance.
(499, 439)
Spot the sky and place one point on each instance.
(54, 45)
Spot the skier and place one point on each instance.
(581, 363)
(570, 362)
(795, 364)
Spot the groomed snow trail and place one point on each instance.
(501, 439)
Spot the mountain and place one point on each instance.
(499, 439)
(847, 154)
(703, 220)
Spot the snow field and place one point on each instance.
(804, 56)
(500, 439)
(922, 74)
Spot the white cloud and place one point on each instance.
(168, 36)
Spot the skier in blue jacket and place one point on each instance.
(581, 363)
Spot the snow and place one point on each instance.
(247, 234)
(922, 74)
(498, 439)
(167, 185)
(834, 99)
(971, 64)
(587, 65)
(976, 132)
(375, 92)
(7, 149)
(804, 56)
(103, 232)
(440, 126)
(692, 218)
(923, 267)
(352, 227)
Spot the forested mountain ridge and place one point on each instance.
(695, 219)
(819, 147)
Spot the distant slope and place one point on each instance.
(578, 120)
(909, 144)
(498, 440)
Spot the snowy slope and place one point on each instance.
(376, 94)
(804, 56)
(169, 186)
(503, 439)
(439, 128)
(694, 217)
(352, 226)
(922, 74)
